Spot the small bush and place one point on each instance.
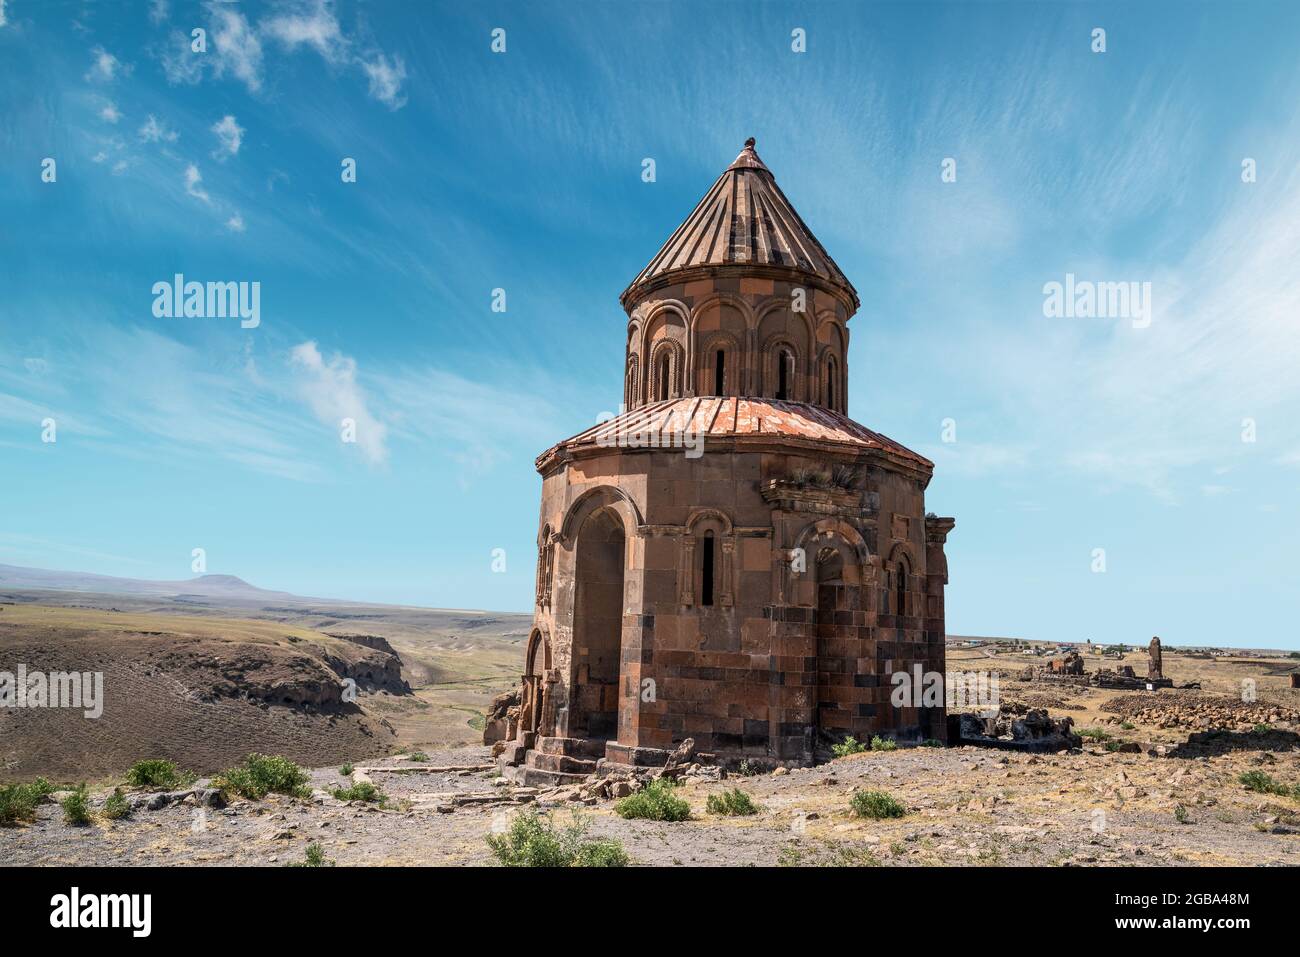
(1127, 725)
(1095, 734)
(883, 744)
(347, 770)
(313, 857)
(157, 773)
(876, 804)
(361, 791)
(1261, 783)
(261, 775)
(932, 743)
(849, 745)
(1181, 815)
(748, 768)
(733, 803)
(655, 802)
(18, 801)
(1113, 744)
(76, 807)
(1262, 728)
(117, 806)
(417, 756)
(534, 841)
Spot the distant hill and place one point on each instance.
(206, 586)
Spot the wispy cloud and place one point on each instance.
(110, 113)
(105, 67)
(386, 78)
(331, 389)
(308, 23)
(194, 184)
(155, 131)
(230, 135)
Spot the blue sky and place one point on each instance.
(522, 171)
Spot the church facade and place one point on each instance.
(731, 559)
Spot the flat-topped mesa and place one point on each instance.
(742, 300)
(732, 562)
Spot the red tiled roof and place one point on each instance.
(744, 220)
(747, 421)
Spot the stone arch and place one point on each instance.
(545, 566)
(706, 568)
(599, 583)
(631, 393)
(901, 570)
(774, 348)
(665, 380)
(602, 496)
(536, 705)
(733, 366)
(796, 325)
(698, 355)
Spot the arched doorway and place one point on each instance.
(598, 623)
(537, 664)
(836, 665)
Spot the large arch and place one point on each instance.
(596, 498)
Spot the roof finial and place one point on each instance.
(749, 143)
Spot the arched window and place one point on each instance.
(900, 590)
(720, 373)
(662, 376)
(784, 371)
(708, 562)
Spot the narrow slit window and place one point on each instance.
(663, 377)
(830, 384)
(719, 372)
(706, 596)
(783, 375)
(900, 597)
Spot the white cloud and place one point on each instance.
(386, 80)
(158, 11)
(104, 67)
(237, 47)
(3, 20)
(194, 184)
(154, 131)
(310, 23)
(120, 167)
(99, 157)
(229, 135)
(179, 61)
(235, 223)
(110, 113)
(331, 389)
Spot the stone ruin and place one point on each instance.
(1016, 727)
(1070, 669)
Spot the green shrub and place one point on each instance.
(883, 744)
(18, 801)
(733, 803)
(1113, 744)
(655, 802)
(849, 745)
(262, 774)
(117, 806)
(748, 768)
(932, 743)
(313, 857)
(1262, 783)
(875, 804)
(347, 770)
(534, 841)
(417, 756)
(361, 791)
(1127, 725)
(1180, 814)
(76, 807)
(1262, 728)
(157, 773)
(1094, 734)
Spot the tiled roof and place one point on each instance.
(747, 421)
(744, 220)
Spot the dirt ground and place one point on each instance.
(966, 806)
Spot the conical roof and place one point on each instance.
(743, 220)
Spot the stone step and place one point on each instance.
(533, 777)
(542, 761)
(591, 748)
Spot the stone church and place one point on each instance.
(732, 559)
